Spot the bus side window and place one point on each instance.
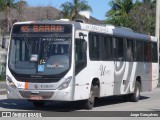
(80, 50)
(114, 46)
(139, 51)
(94, 46)
(154, 52)
(80, 55)
(130, 50)
(107, 49)
(103, 51)
(147, 51)
(118, 46)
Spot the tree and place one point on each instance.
(118, 15)
(6, 5)
(20, 6)
(2, 4)
(151, 2)
(138, 15)
(66, 9)
(142, 17)
(71, 10)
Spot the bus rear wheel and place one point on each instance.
(38, 103)
(134, 97)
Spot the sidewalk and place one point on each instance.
(2, 88)
(2, 85)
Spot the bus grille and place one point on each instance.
(37, 80)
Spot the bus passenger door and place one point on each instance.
(81, 72)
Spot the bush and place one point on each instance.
(2, 77)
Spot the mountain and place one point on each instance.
(39, 13)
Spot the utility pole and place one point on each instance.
(157, 18)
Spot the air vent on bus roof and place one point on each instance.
(79, 20)
(66, 20)
(125, 28)
(110, 25)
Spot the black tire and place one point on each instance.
(38, 103)
(134, 97)
(89, 103)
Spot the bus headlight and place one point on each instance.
(10, 82)
(65, 84)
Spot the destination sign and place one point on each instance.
(42, 28)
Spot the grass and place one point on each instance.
(2, 78)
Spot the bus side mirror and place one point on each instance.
(3, 43)
(83, 42)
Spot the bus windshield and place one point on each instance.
(40, 54)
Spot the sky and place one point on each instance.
(99, 7)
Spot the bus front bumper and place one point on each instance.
(50, 95)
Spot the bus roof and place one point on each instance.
(107, 29)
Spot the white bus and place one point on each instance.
(72, 61)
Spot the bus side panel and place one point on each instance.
(103, 71)
(142, 74)
(106, 77)
(126, 74)
(145, 69)
(133, 76)
(155, 75)
(82, 84)
(119, 74)
(124, 77)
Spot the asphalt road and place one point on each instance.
(149, 101)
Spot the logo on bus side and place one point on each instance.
(103, 70)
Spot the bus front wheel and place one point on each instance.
(89, 103)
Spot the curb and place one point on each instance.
(3, 92)
(2, 88)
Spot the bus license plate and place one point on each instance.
(36, 98)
